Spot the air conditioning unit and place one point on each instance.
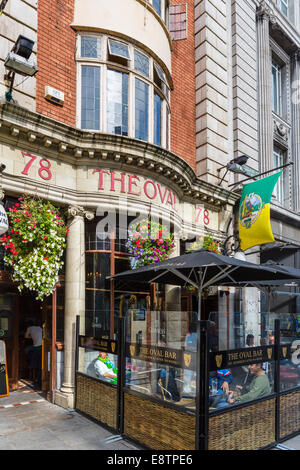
(55, 96)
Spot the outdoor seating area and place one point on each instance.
(204, 387)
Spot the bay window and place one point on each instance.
(122, 90)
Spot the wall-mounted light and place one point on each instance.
(18, 61)
(235, 166)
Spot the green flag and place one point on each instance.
(254, 212)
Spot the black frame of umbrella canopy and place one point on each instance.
(201, 269)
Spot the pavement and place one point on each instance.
(29, 422)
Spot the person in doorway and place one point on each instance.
(34, 352)
(105, 368)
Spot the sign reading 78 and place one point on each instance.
(44, 170)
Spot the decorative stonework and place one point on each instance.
(78, 211)
(281, 130)
(266, 13)
(83, 148)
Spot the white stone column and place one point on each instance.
(74, 300)
(296, 128)
(264, 15)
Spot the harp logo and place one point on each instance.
(219, 359)
(187, 359)
(132, 350)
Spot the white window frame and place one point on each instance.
(118, 55)
(104, 64)
(278, 70)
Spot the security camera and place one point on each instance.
(2, 167)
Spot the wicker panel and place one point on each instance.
(249, 428)
(97, 399)
(156, 426)
(289, 413)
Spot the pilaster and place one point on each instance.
(296, 128)
(264, 15)
(74, 299)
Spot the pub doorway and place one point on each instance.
(17, 312)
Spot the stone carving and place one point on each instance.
(74, 211)
(281, 130)
(265, 12)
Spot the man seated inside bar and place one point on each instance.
(259, 386)
(105, 368)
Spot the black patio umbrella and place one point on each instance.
(203, 268)
(268, 286)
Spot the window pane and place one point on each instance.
(278, 161)
(141, 109)
(141, 63)
(90, 97)
(157, 119)
(160, 73)
(277, 88)
(97, 301)
(117, 102)
(157, 6)
(284, 4)
(90, 46)
(118, 48)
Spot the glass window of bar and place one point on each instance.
(90, 97)
(117, 102)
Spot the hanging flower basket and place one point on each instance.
(149, 242)
(210, 244)
(34, 245)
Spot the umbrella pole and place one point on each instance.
(202, 379)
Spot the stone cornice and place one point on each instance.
(43, 135)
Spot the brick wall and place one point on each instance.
(55, 58)
(183, 117)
